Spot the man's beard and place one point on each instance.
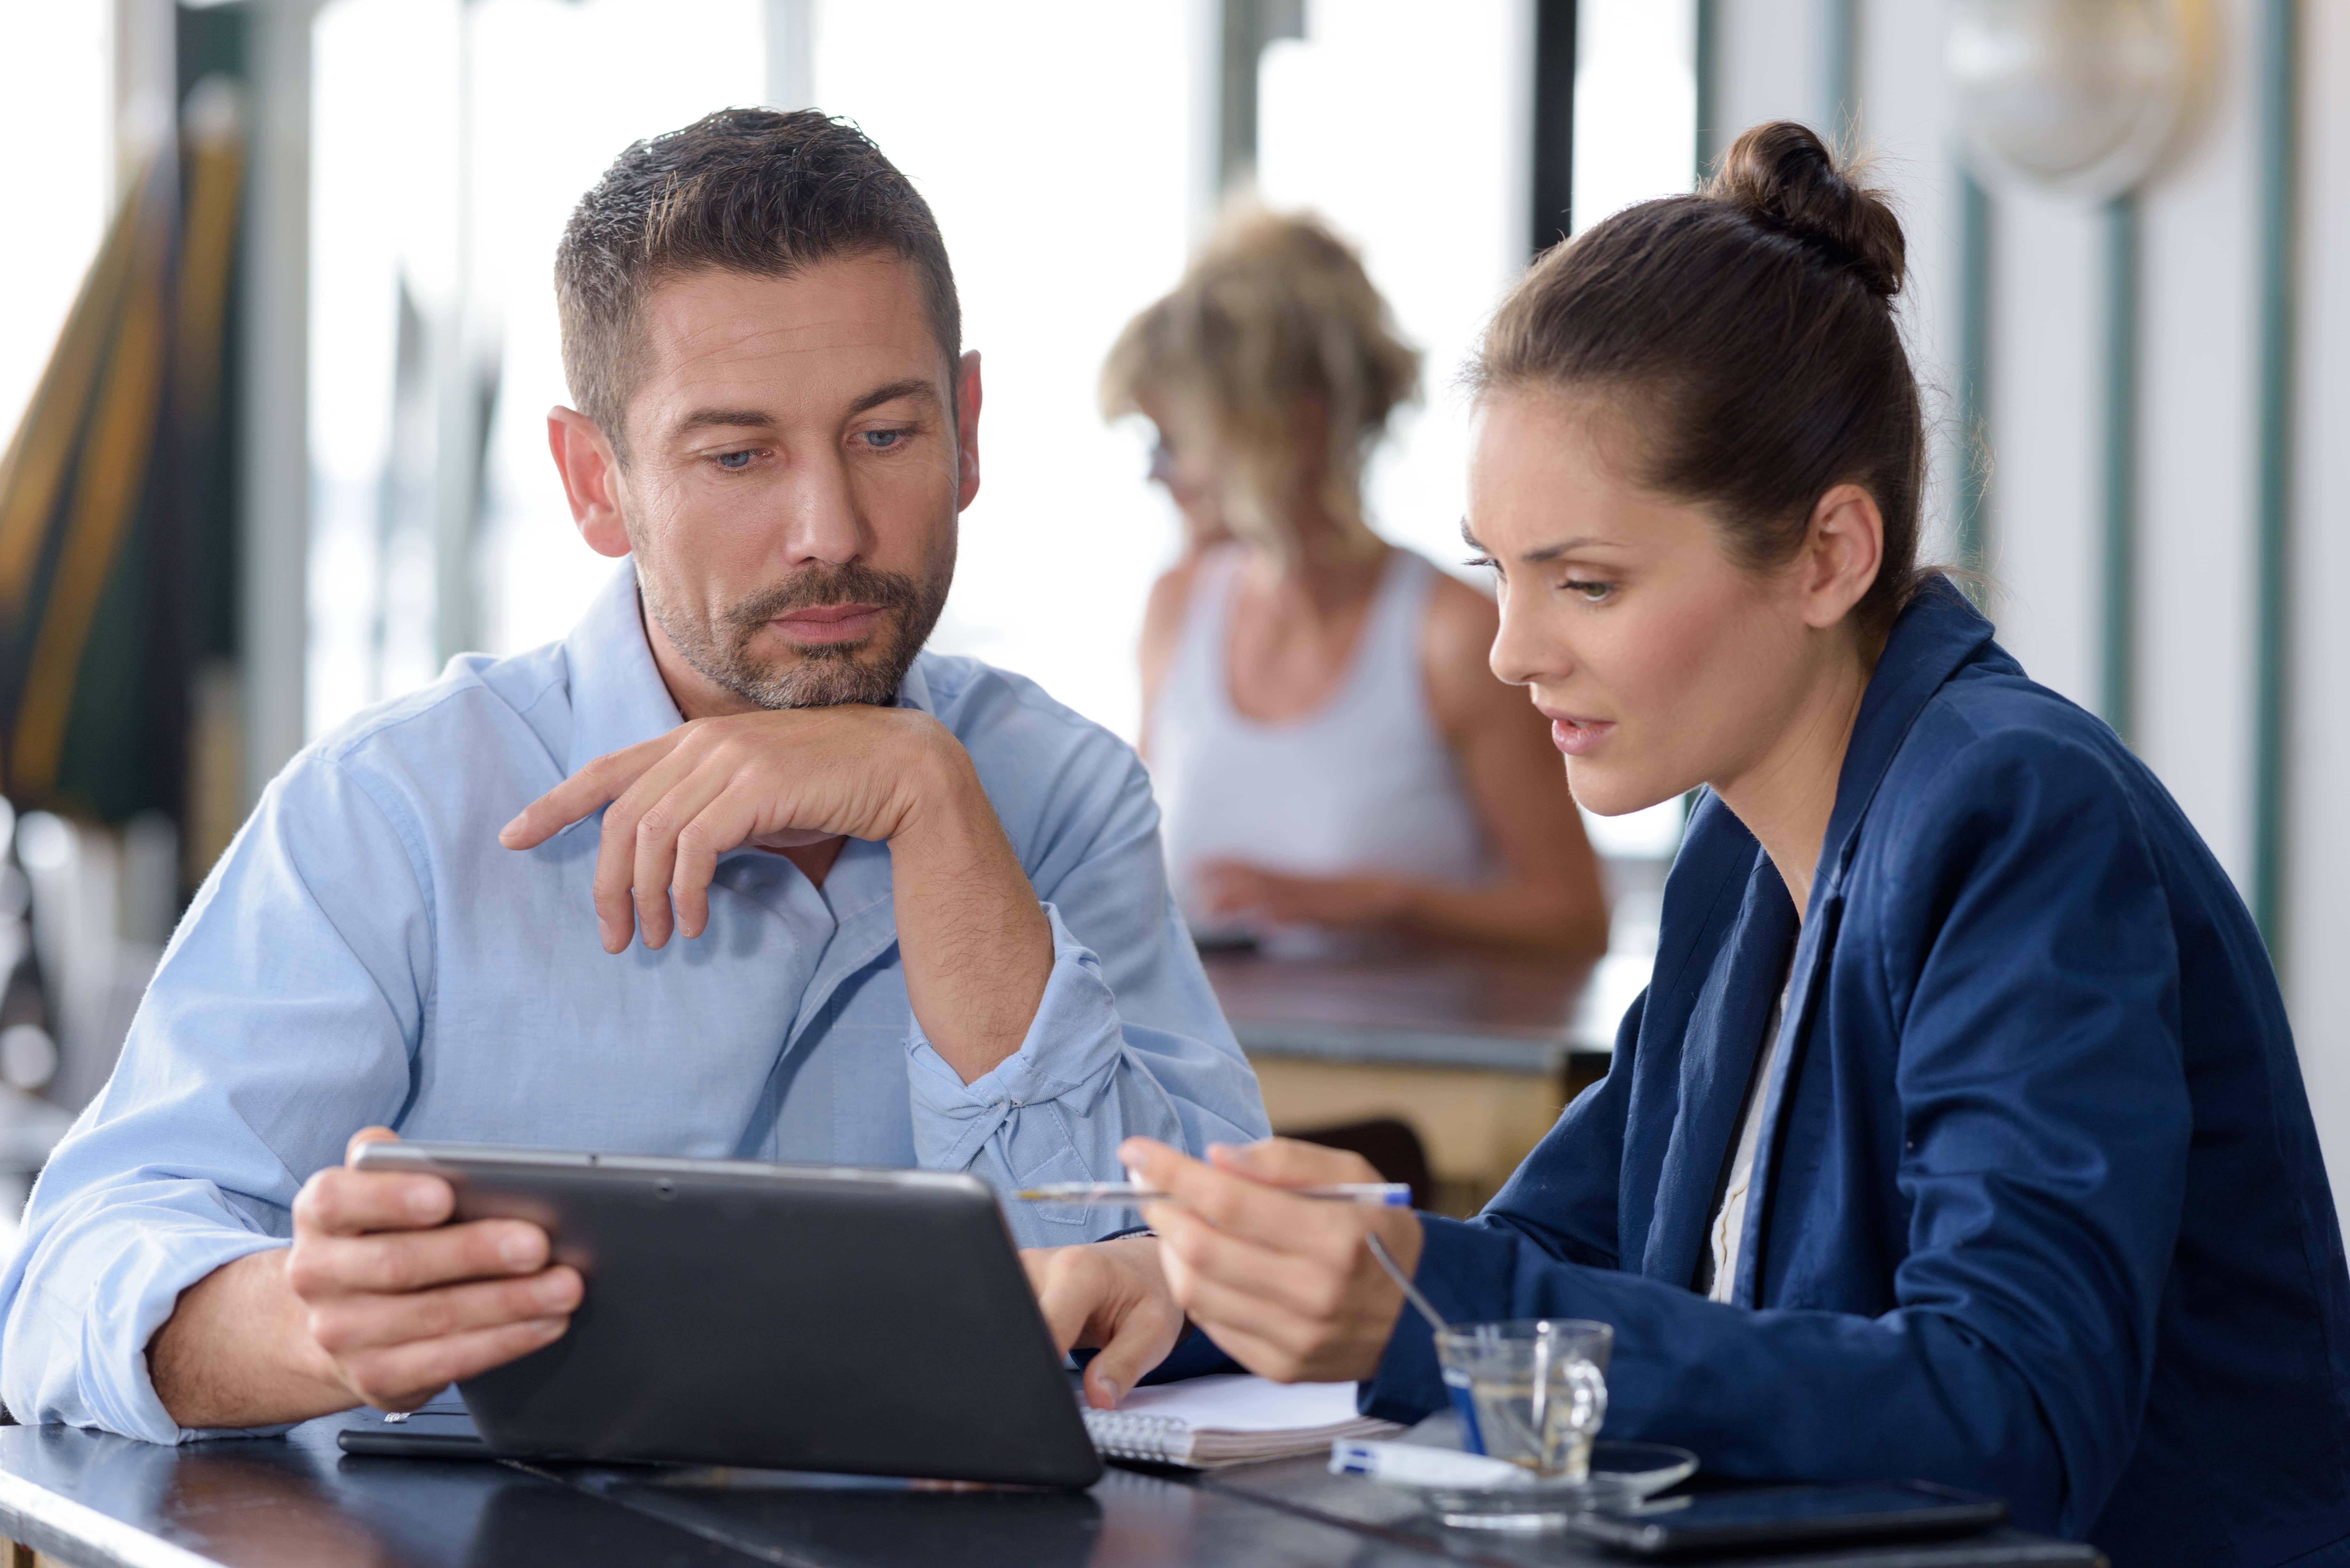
(822, 675)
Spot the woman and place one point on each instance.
(1960, 1133)
(1331, 751)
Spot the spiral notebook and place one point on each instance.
(1230, 1418)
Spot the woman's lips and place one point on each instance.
(1578, 737)
(829, 623)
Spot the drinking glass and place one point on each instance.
(1533, 1392)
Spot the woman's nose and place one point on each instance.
(1522, 655)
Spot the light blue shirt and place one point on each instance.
(366, 952)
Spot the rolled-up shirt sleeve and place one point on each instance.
(282, 1016)
(1128, 1039)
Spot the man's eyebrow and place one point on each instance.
(729, 418)
(1547, 553)
(911, 386)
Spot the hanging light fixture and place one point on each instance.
(2081, 97)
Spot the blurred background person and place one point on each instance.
(1331, 751)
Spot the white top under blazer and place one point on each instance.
(1364, 784)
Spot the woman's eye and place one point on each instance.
(734, 462)
(1476, 562)
(1590, 593)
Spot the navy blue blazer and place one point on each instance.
(2038, 1206)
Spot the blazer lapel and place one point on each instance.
(1936, 636)
(1717, 1062)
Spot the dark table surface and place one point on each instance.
(1419, 1006)
(93, 1500)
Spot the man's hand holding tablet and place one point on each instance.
(386, 1303)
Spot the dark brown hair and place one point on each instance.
(1749, 334)
(753, 191)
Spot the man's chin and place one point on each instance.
(828, 680)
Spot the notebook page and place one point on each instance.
(1238, 1402)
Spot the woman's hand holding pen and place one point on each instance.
(1283, 1284)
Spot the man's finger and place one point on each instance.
(726, 822)
(577, 797)
(349, 1325)
(1144, 1330)
(390, 1261)
(343, 1202)
(687, 801)
(403, 1376)
(617, 888)
(1068, 1293)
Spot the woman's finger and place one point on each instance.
(1244, 1207)
(1225, 1311)
(1310, 1285)
(1290, 1162)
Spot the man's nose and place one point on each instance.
(819, 512)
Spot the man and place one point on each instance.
(922, 911)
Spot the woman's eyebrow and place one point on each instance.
(1546, 553)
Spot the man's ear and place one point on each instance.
(967, 394)
(592, 480)
(1842, 554)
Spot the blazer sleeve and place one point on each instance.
(2029, 958)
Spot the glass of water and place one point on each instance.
(1533, 1392)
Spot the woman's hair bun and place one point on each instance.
(1786, 179)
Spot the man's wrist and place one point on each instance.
(940, 797)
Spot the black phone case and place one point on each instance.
(1958, 1513)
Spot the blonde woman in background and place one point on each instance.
(1332, 753)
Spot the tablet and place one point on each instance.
(774, 1316)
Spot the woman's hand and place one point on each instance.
(1284, 1285)
(1108, 1295)
(1233, 887)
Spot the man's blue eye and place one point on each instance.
(734, 461)
(882, 440)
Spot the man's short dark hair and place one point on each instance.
(753, 191)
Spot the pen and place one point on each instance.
(1377, 1194)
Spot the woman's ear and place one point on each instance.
(591, 475)
(1843, 549)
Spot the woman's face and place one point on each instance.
(1190, 482)
(1661, 664)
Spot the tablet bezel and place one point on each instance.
(703, 1274)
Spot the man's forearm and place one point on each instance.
(238, 1351)
(977, 948)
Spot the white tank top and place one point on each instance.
(1364, 784)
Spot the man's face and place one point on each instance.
(795, 477)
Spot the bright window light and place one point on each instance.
(54, 97)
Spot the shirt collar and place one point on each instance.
(618, 696)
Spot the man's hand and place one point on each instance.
(376, 1302)
(1284, 1285)
(1108, 1295)
(402, 1305)
(780, 779)
(977, 948)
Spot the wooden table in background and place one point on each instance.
(1477, 1052)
